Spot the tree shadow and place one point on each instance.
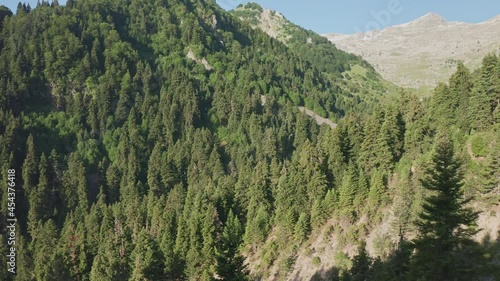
(326, 274)
(398, 266)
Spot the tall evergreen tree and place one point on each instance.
(446, 224)
(349, 189)
(377, 192)
(40, 198)
(29, 168)
(230, 264)
(489, 176)
(146, 260)
(460, 87)
(393, 130)
(443, 105)
(362, 263)
(48, 260)
(490, 81)
(75, 184)
(479, 113)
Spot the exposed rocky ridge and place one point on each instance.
(423, 52)
(271, 22)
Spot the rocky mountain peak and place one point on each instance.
(428, 21)
(431, 17)
(429, 44)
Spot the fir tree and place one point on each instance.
(480, 114)
(146, 260)
(40, 198)
(302, 228)
(460, 90)
(29, 168)
(489, 84)
(230, 264)
(489, 176)
(376, 194)
(349, 189)
(361, 265)
(446, 224)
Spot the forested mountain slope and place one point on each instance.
(370, 221)
(309, 44)
(142, 150)
(351, 72)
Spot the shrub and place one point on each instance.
(316, 261)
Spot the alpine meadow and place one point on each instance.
(149, 140)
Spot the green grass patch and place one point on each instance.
(480, 144)
(316, 261)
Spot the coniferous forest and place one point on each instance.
(162, 140)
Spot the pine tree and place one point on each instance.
(105, 265)
(302, 227)
(361, 265)
(446, 224)
(362, 190)
(230, 264)
(257, 215)
(395, 266)
(336, 145)
(373, 143)
(402, 204)
(173, 268)
(75, 184)
(393, 129)
(349, 189)
(24, 260)
(257, 226)
(121, 112)
(443, 105)
(4, 12)
(480, 112)
(48, 261)
(490, 81)
(484, 98)
(40, 198)
(55, 173)
(29, 168)
(460, 87)
(301, 130)
(75, 249)
(154, 171)
(146, 260)
(318, 213)
(376, 194)
(382, 141)
(489, 176)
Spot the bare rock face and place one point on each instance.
(271, 22)
(421, 53)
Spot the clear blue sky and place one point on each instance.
(349, 16)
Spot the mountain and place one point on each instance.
(351, 72)
(170, 140)
(423, 52)
(308, 44)
(137, 129)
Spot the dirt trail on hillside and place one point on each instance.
(320, 120)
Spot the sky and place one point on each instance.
(350, 16)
